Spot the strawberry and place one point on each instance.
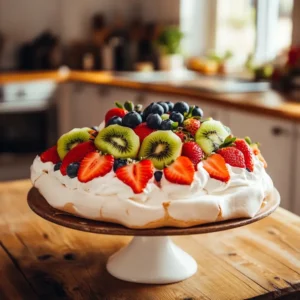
(50, 155)
(191, 125)
(233, 157)
(181, 134)
(119, 112)
(76, 154)
(94, 165)
(142, 131)
(136, 175)
(247, 152)
(181, 171)
(215, 166)
(257, 152)
(193, 151)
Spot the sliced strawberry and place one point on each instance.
(94, 165)
(233, 157)
(136, 175)
(50, 155)
(193, 151)
(76, 154)
(247, 152)
(181, 171)
(143, 131)
(191, 125)
(215, 166)
(119, 112)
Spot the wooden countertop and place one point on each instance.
(41, 260)
(269, 103)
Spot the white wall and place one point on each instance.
(22, 20)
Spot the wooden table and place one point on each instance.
(41, 260)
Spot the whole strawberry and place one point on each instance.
(193, 151)
(242, 145)
(233, 157)
(143, 131)
(191, 125)
(115, 112)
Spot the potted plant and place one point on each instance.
(169, 45)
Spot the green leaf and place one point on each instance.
(118, 104)
(228, 141)
(174, 125)
(248, 140)
(138, 107)
(129, 106)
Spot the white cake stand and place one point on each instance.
(151, 256)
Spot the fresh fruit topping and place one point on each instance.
(256, 151)
(57, 166)
(233, 157)
(153, 108)
(50, 155)
(197, 112)
(71, 139)
(181, 135)
(142, 131)
(72, 169)
(191, 125)
(215, 166)
(76, 154)
(210, 136)
(166, 125)
(136, 175)
(96, 128)
(138, 108)
(228, 142)
(158, 175)
(165, 117)
(247, 152)
(176, 117)
(181, 107)
(161, 147)
(154, 121)
(181, 171)
(119, 162)
(114, 120)
(170, 104)
(95, 165)
(119, 141)
(193, 151)
(132, 119)
(164, 106)
(129, 106)
(119, 112)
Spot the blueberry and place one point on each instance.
(114, 120)
(118, 163)
(158, 175)
(57, 166)
(132, 119)
(154, 121)
(197, 111)
(181, 107)
(166, 125)
(156, 109)
(176, 117)
(170, 104)
(164, 106)
(72, 169)
(147, 111)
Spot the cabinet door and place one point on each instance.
(296, 202)
(276, 137)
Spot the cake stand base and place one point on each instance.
(153, 260)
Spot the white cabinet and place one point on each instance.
(296, 174)
(277, 141)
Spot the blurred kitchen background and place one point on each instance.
(63, 63)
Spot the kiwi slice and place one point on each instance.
(211, 135)
(72, 138)
(121, 142)
(162, 147)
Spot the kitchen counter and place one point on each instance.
(41, 260)
(269, 103)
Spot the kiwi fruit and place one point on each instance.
(161, 147)
(210, 136)
(119, 141)
(72, 138)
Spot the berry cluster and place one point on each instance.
(164, 139)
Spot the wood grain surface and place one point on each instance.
(266, 103)
(41, 207)
(42, 260)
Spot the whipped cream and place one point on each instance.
(205, 200)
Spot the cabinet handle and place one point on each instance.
(278, 131)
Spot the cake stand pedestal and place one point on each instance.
(151, 256)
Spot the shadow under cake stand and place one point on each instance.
(151, 256)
